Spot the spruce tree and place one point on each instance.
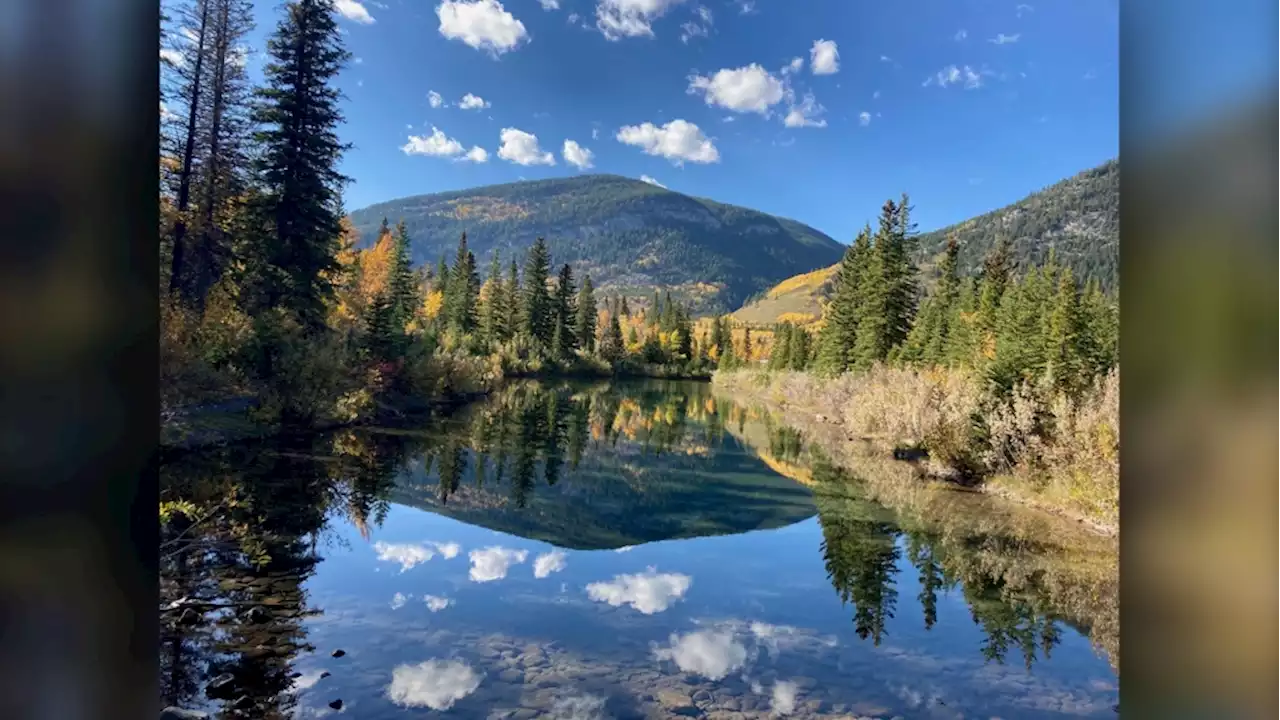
(301, 201)
(1066, 348)
(565, 313)
(462, 291)
(537, 318)
(492, 312)
(717, 334)
(511, 298)
(611, 347)
(625, 310)
(442, 276)
(927, 343)
(836, 340)
(780, 355)
(684, 334)
(402, 286)
(585, 324)
(801, 348)
(746, 345)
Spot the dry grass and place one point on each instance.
(1041, 450)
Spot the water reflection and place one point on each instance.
(492, 601)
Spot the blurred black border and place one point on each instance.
(78, 365)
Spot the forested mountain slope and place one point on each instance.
(630, 236)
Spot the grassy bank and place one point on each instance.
(1037, 447)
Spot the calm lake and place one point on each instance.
(631, 550)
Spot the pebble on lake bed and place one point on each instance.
(336, 704)
(339, 653)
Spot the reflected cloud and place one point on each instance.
(648, 592)
(625, 548)
(548, 563)
(398, 600)
(784, 697)
(580, 707)
(409, 555)
(492, 563)
(709, 653)
(448, 550)
(306, 680)
(435, 603)
(436, 684)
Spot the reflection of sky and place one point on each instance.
(754, 608)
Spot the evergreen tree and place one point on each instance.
(402, 286)
(512, 302)
(380, 338)
(611, 347)
(996, 269)
(836, 341)
(684, 334)
(298, 162)
(585, 324)
(667, 318)
(800, 349)
(780, 355)
(717, 334)
(888, 288)
(746, 345)
(565, 314)
(537, 318)
(625, 311)
(462, 290)
(1066, 344)
(632, 338)
(493, 312)
(927, 343)
(442, 275)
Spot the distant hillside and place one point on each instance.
(1079, 218)
(630, 236)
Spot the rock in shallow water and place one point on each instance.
(339, 653)
(336, 704)
(177, 713)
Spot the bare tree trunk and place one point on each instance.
(177, 267)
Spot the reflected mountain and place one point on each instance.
(594, 469)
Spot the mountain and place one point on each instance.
(630, 236)
(1079, 218)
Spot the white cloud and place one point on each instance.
(398, 600)
(712, 654)
(1002, 39)
(875, 95)
(492, 563)
(572, 18)
(476, 154)
(522, 148)
(744, 89)
(746, 7)
(678, 141)
(728, 118)
(1023, 8)
(784, 697)
(547, 563)
(795, 66)
(549, 5)
(951, 75)
(629, 548)
(472, 102)
(824, 58)
(864, 118)
(651, 181)
(436, 684)
(617, 19)
(579, 157)
(358, 61)
(434, 99)
(481, 24)
(437, 144)
(886, 58)
(697, 28)
(450, 550)
(173, 57)
(353, 11)
(408, 555)
(165, 114)
(961, 34)
(435, 603)
(595, 133)
(648, 592)
(805, 114)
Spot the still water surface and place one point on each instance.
(605, 551)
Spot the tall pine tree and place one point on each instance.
(462, 291)
(565, 314)
(836, 340)
(538, 320)
(585, 324)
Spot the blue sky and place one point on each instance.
(968, 105)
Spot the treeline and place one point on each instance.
(1040, 327)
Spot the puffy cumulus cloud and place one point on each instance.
(679, 141)
(472, 102)
(784, 697)
(398, 600)
(824, 57)
(793, 67)
(521, 148)
(651, 181)
(435, 684)
(492, 563)
(648, 592)
(476, 154)
(437, 144)
(617, 19)
(710, 653)
(481, 24)
(547, 563)
(744, 89)
(805, 114)
(450, 550)
(952, 75)
(435, 603)
(434, 99)
(408, 555)
(353, 11)
(864, 118)
(579, 157)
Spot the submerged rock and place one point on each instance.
(339, 653)
(177, 713)
(336, 704)
(220, 686)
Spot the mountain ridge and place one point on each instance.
(631, 236)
